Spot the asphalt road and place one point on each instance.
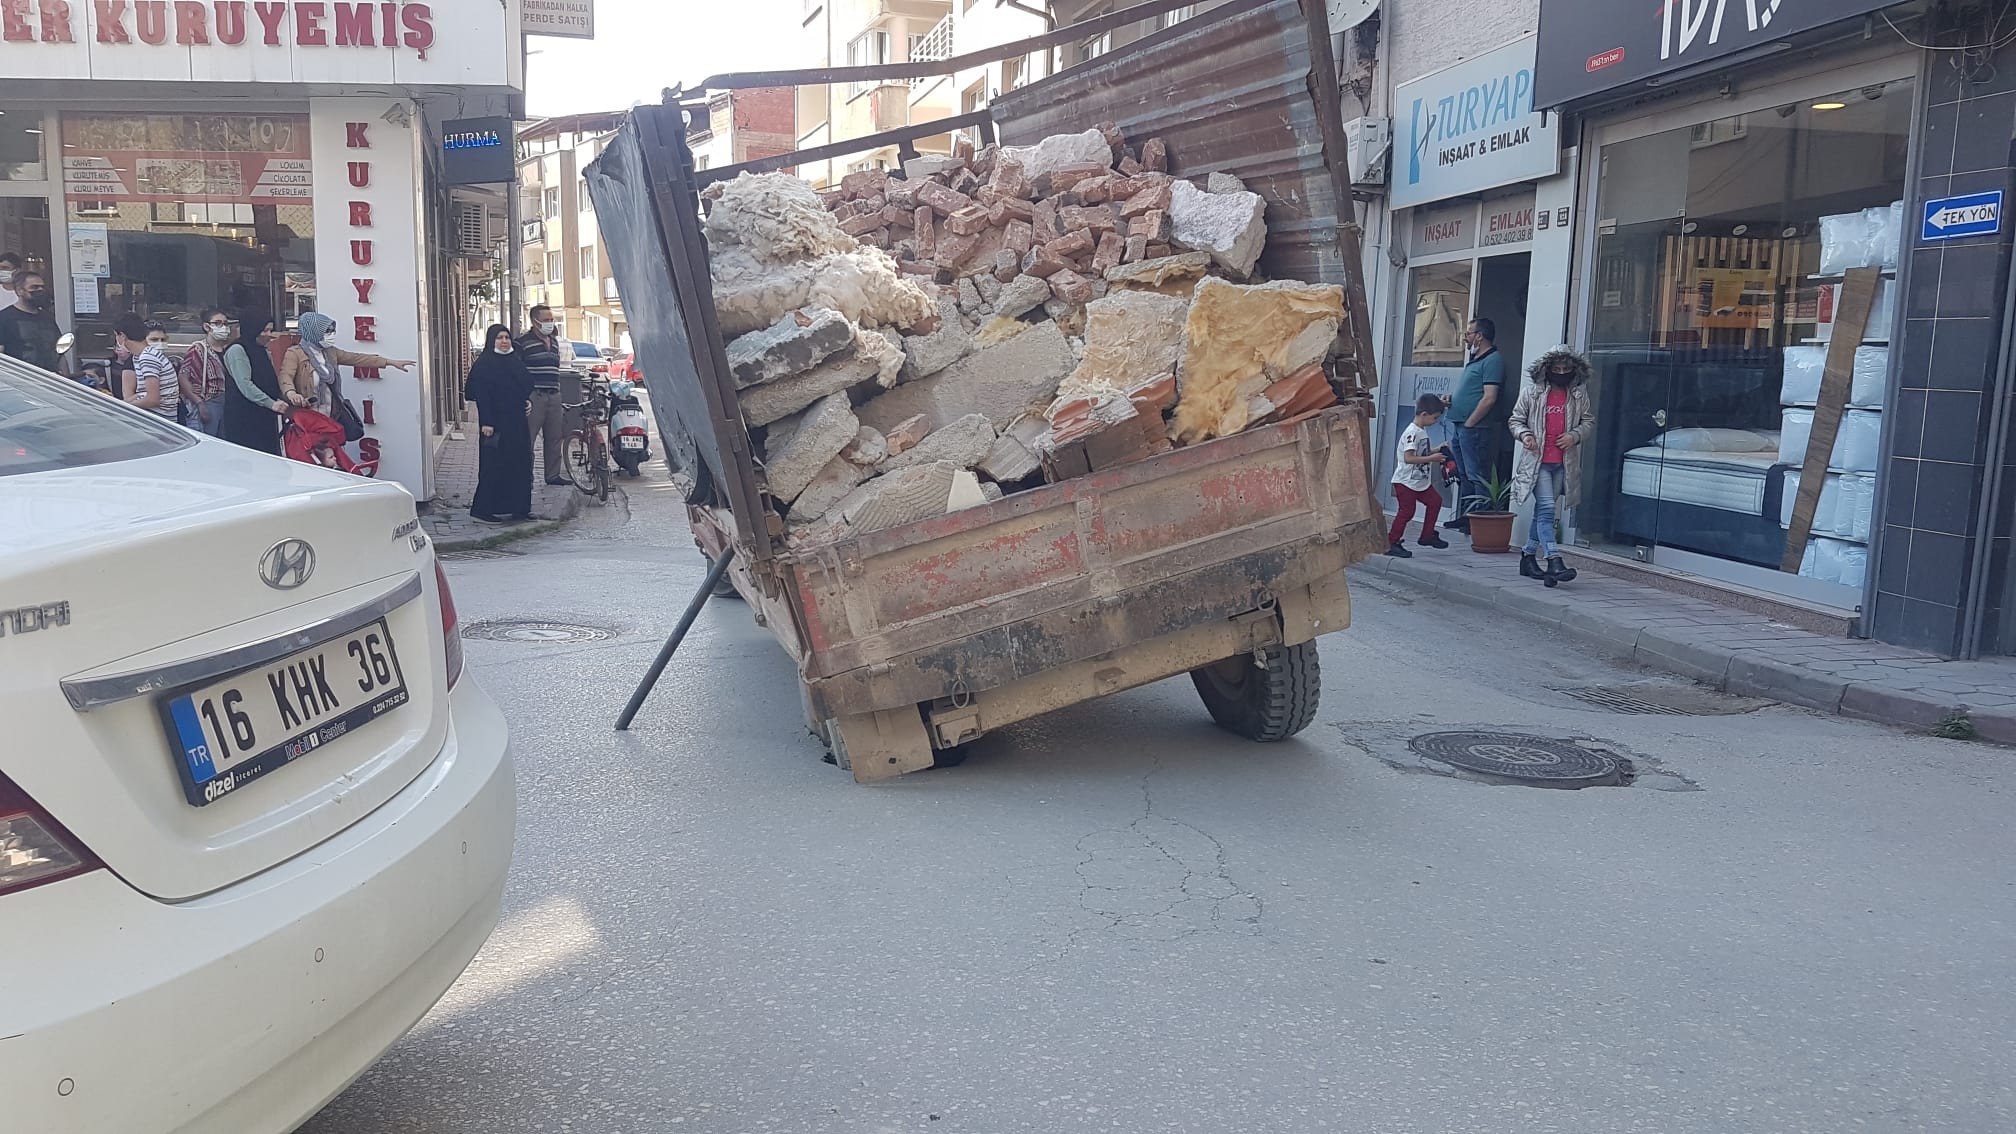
(1121, 919)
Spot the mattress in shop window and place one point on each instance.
(1732, 482)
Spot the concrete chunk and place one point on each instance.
(1170, 275)
(1060, 150)
(924, 165)
(1131, 338)
(808, 441)
(835, 480)
(904, 435)
(998, 381)
(1008, 460)
(964, 442)
(868, 449)
(1223, 182)
(1021, 295)
(940, 199)
(1230, 226)
(915, 493)
(871, 360)
(925, 355)
(793, 344)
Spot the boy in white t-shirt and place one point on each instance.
(1412, 482)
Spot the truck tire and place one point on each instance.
(725, 588)
(1264, 703)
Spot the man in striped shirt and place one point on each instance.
(540, 348)
(155, 384)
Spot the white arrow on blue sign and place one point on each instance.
(1950, 218)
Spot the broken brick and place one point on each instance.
(1096, 218)
(918, 268)
(921, 223)
(1066, 177)
(997, 214)
(903, 436)
(832, 199)
(1071, 287)
(1152, 226)
(875, 201)
(896, 217)
(986, 195)
(1007, 264)
(1018, 236)
(879, 238)
(861, 224)
(1129, 166)
(1111, 250)
(1155, 155)
(1041, 264)
(940, 199)
(1160, 251)
(966, 221)
(1156, 396)
(953, 249)
(863, 183)
(1137, 249)
(1122, 188)
(964, 182)
(1069, 245)
(1114, 138)
(962, 148)
(1010, 180)
(1148, 197)
(1019, 209)
(1043, 215)
(983, 162)
(1095, 191)
(902, 194)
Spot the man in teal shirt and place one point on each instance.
(1470, 409)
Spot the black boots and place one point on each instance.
(1399, 551)
(1554, 574)
(1430, 539)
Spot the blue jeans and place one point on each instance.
(1472, 448)
(1546, 490)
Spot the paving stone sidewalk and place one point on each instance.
(1730, 649)
(446, 517)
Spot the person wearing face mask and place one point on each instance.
(540, 348)
(501, 387)
(203, 376)
(10, 266)
(28, 329)
(308, 373)
(253, 404)
(153, 383)
(1552, 423)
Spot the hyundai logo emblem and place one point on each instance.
(287, 564)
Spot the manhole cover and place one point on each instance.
(1655, 698)
(531, 630)
(1529, 759)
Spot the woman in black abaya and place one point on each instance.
(501, 387)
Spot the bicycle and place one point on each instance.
(587, 448)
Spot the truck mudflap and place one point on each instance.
(1175, 549)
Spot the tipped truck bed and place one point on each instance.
(1224, 559)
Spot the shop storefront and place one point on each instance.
(1738, 165)
(280, 158)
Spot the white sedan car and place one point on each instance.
(254, 820)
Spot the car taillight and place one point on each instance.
(35, 849)
(451, 626)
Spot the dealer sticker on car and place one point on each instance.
(232, 731)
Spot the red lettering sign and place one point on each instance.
(1609, 58)
(363, 289)
(190, 20)
(370, 411)
(150, 20)
(360, 173)
(367, 328)
(112, 21)
(56, 21)
(308, 30)
(270, 16)
(200, 23)
(360, 253)
(355, 137)
(14, 27)
(360, 214)
(368, 449)
(370, 372)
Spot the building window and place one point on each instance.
(552, 209)
(554, 272)
(589, 263)
(21, 146)
(870, 49)
(1717, 262)
(1171, 18)
(175, 213)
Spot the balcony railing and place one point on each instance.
(936, 44)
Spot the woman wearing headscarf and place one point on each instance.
(253, 403)
(309, 374)
(501, 387)
(1552, 422)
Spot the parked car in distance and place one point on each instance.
(625, 366)
(252, 825)
(583, 356)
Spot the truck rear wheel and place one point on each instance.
(1268, 702)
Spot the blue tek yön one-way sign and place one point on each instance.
(1950, 218)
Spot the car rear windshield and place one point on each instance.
(48, 422)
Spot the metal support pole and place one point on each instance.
(651, 675)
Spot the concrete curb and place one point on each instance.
(568, 511)
(1745, 673)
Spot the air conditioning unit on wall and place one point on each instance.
(1367, 144)
(479, 227)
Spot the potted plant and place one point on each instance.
(1491, 521)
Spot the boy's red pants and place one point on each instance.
(1407, 498)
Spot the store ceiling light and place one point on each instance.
(1830, 105)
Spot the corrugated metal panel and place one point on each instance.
(1227, 90)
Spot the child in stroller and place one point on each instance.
(315, 438)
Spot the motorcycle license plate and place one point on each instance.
(630, 442)
(236, 729)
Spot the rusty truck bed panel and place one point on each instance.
(992, 594)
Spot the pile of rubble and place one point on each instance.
(992, 321)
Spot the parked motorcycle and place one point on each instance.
(629, 429)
